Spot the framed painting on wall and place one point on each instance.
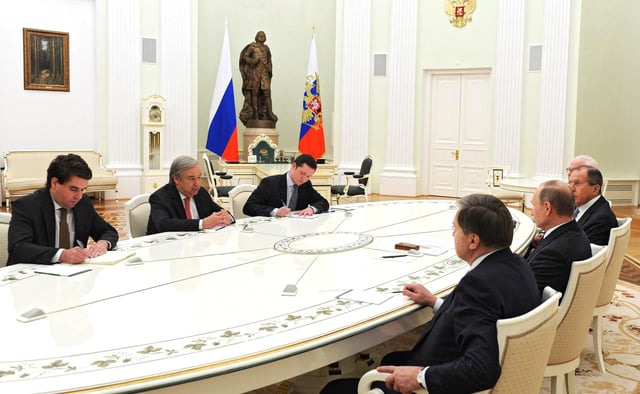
(46, 60)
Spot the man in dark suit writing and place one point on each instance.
(278, 195)
(183, 204)
(458, 351)
(594, 215)
(53, 224)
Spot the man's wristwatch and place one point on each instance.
(420, 378)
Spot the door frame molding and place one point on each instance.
(427, 74)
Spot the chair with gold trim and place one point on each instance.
(239, 196)
(618, 242)
(576, 309)
(136, 213)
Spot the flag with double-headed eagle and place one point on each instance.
(311, 129)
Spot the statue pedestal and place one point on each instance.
(251, 133)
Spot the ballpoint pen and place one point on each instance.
(283, 203)
(394, 256)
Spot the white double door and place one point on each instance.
(458, 129)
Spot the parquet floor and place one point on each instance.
(113, 212)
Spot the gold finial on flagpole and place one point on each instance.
(313, 29)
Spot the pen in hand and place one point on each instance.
(81, 244)
(283, 203)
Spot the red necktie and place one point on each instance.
(187, 207)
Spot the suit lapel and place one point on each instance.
(49, 217)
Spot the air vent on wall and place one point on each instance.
(379, 65)
(149, 50)
(535, 58)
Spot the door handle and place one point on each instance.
(456, 154)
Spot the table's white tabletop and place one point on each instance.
(207, 307)
(523, 185)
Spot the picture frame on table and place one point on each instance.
(498, 174)
(46, 60)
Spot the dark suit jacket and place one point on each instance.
(597, 221)
(32, 231)
(551, 259)
(272, 191)
(460, 343)
(167, 210)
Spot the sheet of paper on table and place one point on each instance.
(62, 269)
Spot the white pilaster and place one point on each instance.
(399, 174)
(354, 123)
(553, 88)
(123, 93)
(176, 64)
(509, 84)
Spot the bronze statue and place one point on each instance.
(256, 71)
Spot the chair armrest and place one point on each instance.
(364, 385)
(349, 172)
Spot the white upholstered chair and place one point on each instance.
(576, 310)
(618, 242)
(5, 218)
(524, 344)
(495, 174)
(238, 196)
(136, 212)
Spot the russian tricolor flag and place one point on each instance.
(223, 130)
(311, 130)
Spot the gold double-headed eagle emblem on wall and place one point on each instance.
(459, 11)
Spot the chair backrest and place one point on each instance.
(618, 242)
(576, 309)
(525, 344)
(5, 218)
(211, 179)
(365, 169)
(136, 212)
(238, 196)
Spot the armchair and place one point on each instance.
(524, 344)
(357, 185)
(220, 194)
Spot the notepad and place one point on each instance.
(62, 269)
(111, 257)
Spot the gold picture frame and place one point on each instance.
(46, 60)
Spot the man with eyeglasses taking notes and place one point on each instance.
(47, 224)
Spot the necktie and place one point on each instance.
(293, 201)
(576, 213)
(187, 207)
(63, 237)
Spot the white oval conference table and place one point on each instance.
(205, 311)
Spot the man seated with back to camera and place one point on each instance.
(458, 351)
(563, 240)
(183, 204)
(35, 234)
(275, 195)
(594, 214)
